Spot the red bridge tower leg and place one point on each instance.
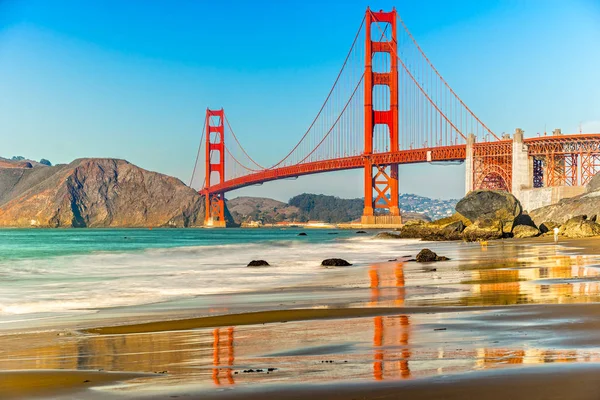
(215, 202)
(381, 181)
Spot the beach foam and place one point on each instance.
(105, 279)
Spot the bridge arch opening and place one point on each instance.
(381, 98)
(215, 177)
(214, 120)
(215, 156)
(382, 62)
(381, 138)
(215, 137)
(381, 32)
(494, 181)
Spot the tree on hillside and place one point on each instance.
(18, 158)
(45, 162)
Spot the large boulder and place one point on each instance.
(525, 231)
(490, 205)
(483, 229)
(580, 226)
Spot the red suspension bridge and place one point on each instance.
(388, 106)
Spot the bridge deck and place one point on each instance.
(445, 153)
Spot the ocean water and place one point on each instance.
(56, 272)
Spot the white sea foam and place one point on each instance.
(86, 283)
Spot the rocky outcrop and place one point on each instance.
(96, 193)
(525, 231)
(387, 235)
(484, 229)
(335, 262)
(490, 205)
(481, 215)
(449, 228)
(579, 227)
(549, 226)
(585, 204)
(588, 204)
(594, 184)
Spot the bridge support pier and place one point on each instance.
(381, 181)
(469, 163)
(522, 164)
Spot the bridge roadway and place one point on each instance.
(444, 153)
(543, 146)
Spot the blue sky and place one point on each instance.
(132, 79)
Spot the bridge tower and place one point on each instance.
(215, 151)
(381, 181)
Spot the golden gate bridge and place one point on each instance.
(388, 106)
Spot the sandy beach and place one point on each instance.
(512, 319)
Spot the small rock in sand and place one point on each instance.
(335, 262)
(258, 263)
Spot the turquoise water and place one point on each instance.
(41, 243)
(50, 273)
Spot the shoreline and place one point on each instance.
(373, 321)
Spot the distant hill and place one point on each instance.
(268, 211)
(305, 207)
(433, 208)
(95, 193)
(327, 208)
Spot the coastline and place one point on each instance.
(405, 324)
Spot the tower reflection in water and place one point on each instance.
(390, 333)
(227, 347)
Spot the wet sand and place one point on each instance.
(550, 382)
(511, 319)
(42, 383)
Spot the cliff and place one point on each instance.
(95, 193)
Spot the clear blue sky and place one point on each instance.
(132, 79)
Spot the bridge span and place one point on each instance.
(389, 106)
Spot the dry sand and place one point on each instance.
(516, 319)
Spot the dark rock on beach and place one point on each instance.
(335, 262)
(302, 234)
(258, 263)
(427, 255)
